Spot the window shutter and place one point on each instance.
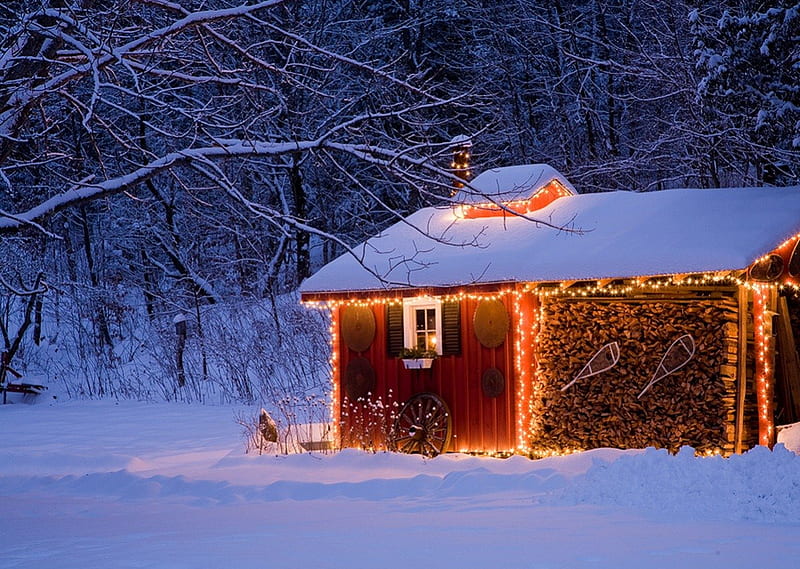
(451, 328)
(394, 329)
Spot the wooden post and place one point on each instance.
(336, 379)
(763, 298)
(526, 309)
(741, 370)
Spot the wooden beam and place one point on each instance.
(764, 304)
(741, 370)
(772, 306)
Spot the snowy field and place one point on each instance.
(134, 485)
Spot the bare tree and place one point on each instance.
(98, 101)
(199, 154)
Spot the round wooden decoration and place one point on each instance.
(493, 382)
(767, 269)
(491, 323)
(359, 379)
(358, 327)
(794, 261)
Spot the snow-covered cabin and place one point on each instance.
(565, 321)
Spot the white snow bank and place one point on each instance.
(760, 485)
(169, 486)
(137, 451)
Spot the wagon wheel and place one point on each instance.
(423, 426)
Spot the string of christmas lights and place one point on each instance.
(335, 409)
(529, 321)
(522, 367)
(460, 163)
(543, 197)
(535, 391)
(764, 374)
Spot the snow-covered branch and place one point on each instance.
(86, 192)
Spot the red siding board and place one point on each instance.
(480, 423)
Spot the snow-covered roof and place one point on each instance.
(510, 183)
(605, 235)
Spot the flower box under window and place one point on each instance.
(417, 363)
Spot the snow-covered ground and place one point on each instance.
(132, 485)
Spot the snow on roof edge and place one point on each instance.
(648, 234)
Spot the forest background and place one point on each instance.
(193, 161)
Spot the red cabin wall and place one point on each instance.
(480, 423)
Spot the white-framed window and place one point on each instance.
(422, 320)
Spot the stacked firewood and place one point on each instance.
(693, 406)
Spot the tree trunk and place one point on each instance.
(300, 207)
(103, 333)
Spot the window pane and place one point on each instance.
(431, 324)
(422, 325)
(420, 316)
(431, 343)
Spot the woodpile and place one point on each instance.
(695, 405)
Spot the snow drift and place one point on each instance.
(89, 484)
